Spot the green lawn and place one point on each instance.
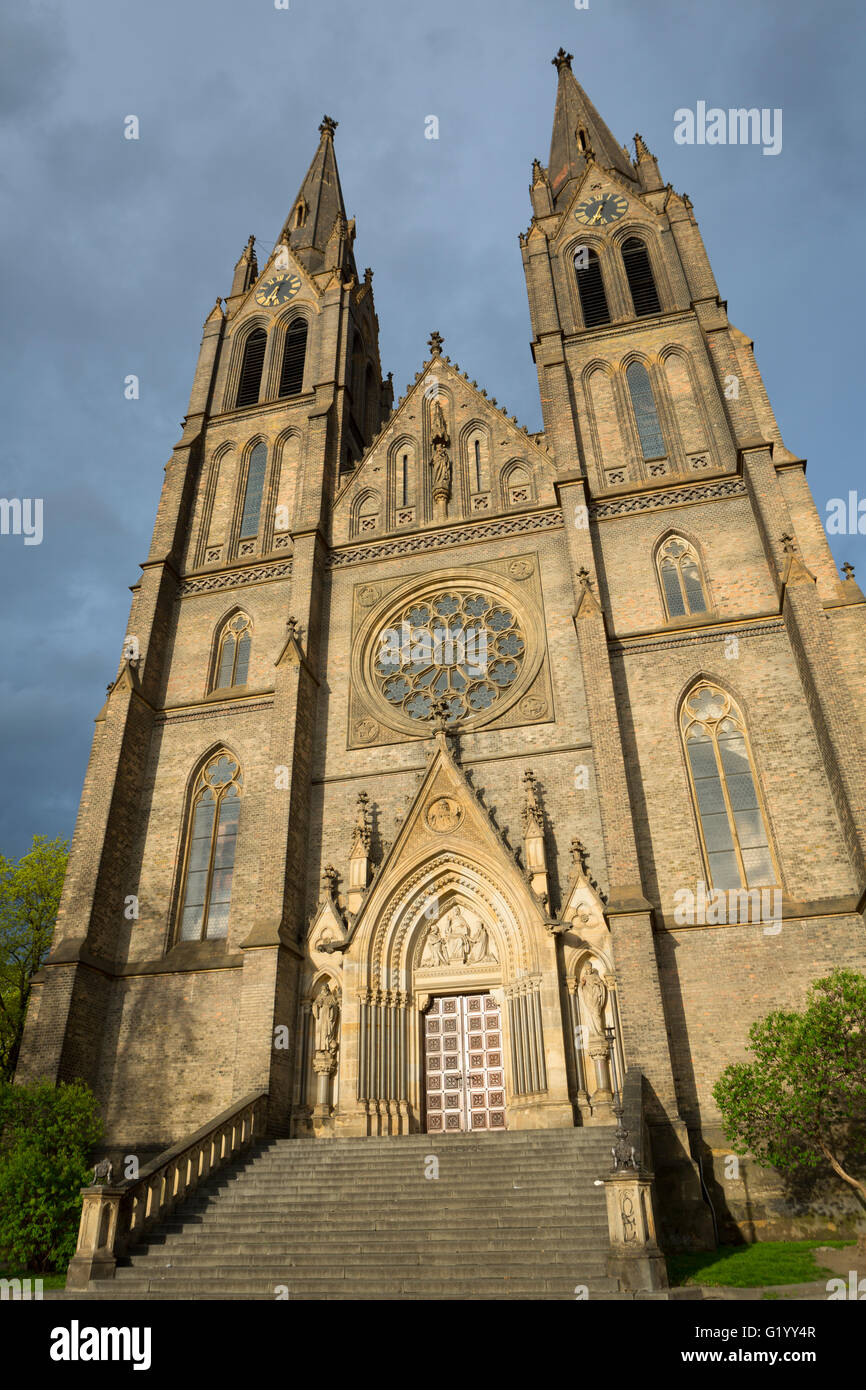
(751, 1266)
(49, 1281)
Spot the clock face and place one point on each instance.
(278, 288)
(602, 209)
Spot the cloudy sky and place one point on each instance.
(113, 251)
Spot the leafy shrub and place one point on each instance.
(46, 1136)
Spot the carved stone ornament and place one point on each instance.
(102, 1172)
(444, 814)
(457, 938)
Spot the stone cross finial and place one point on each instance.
(434, 343)
(789, 545)
(585, 578)
(328, 126)
(330, 878)
(848, 570)
(562, 60)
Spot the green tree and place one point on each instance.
(47, 1134)
(29, 898)
(802, 1100)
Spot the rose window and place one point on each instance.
(466, 649)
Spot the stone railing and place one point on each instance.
(116, 1216)
(635, 1258)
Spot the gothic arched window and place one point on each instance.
(294, 352)
(233, 653)
(476, 461)
(590, 287)
(367, 514)
(251, 368)
(211, 837)
(646, 417)
(682, 578)
(734, 833)
(638, 270)
(253, 491)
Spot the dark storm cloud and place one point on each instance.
(113, 251)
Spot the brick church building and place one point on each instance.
(426, 726)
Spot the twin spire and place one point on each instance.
(318, 205)
(578, 131)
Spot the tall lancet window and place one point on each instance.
(294, 352)
(476, 461)
(734, 836)
(210, 850)
(233, 653)
(251, 368)
(253, 491)
(682, 578)
(645, 414)
(590, 288)
(638, 270)
(403, 481)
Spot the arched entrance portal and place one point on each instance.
(451, 942)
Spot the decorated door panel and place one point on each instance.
(465, 1064)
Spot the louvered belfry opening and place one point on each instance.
(590, 287)
(251, 368)
(644, 294)
(294, 353)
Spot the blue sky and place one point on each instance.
(113, 251)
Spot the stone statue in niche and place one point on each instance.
(593, 996)
(326, 1011)
(441, 461)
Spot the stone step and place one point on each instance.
(510, 1216)
(499, 1265)
(363, 1241)
(464, 1286)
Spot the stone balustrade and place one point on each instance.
(117, 1216)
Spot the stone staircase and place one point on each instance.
(510, 1216)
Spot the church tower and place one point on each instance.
(454, 773)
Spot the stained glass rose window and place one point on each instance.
(466, 649)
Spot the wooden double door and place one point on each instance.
(464, 1064)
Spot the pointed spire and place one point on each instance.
(319, 203)
(579, 133)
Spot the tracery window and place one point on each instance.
(253, 491)
(233, 653)
(464, 648)
(646, 418)
(210, 850)
(734, 833)
(682, 578)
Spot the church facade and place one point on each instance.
(450, 769)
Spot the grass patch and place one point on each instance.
(49, 1281)
(752, 1266)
